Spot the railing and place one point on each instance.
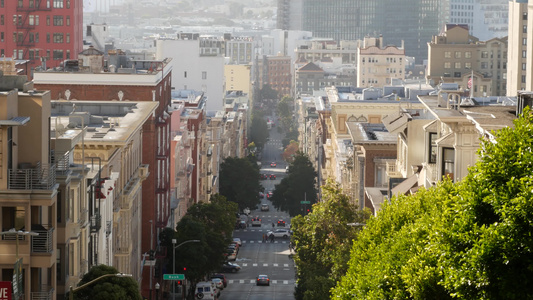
(62, 163)
(96, 223)
(431, 173)
(38, 178)
(44, 242)
(45, 292)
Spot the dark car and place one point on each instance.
(281, 223)
(263, 280)
(264, 176)
(222, 277)
(273, 164)
(231, 267)
(272, 176)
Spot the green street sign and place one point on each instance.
(173, 277)
(305, 202)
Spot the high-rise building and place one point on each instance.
(43, 32)
(519, 63)
(486, 19)
(414, 22)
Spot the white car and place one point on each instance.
(238, 241)
(279, 233)
(218, 283)
(256, 221)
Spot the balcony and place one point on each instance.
(42, 177)
(62, 163)
(96, 223)
(43, 292)
(44, 242)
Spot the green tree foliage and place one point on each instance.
(323, 241)
(211, 223)
(109, 287)
(285, 110)
(259, 130)
(468, 240)
(290, 151)
(239, 182)
(298, 185)
(267, 92)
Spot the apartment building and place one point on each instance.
(276, 72)
(103, 223)
(121, 79)
(43, 32)
(378, 65)
(32, 184)
(456, 57)
(239, 50)
(238, 78)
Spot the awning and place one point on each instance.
(405, 186)
(16, 121)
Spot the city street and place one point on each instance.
(262, 257)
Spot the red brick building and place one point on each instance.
(276, 72)
(45, 32)
(137, 81)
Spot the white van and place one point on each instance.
(206, 290)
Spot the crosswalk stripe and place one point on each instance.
(275, 265)
(233, 281)
(254, 265)
(286, 265)
(265, 265)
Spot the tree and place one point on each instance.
(322, 241)
(239, 182)
(107, 288)
(258, 131)
(290, 151)
(285, 111)
(297, 186)
(211, 223)
(267, 92)
(464, 240)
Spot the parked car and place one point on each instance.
(256, 221)
(238, 241)
(279, 233)
(231, 267)
(272, 176)
(263, 280)
(269, 194)
(273, 164)
(264, 207)
(287, 169)
(240, 224)
(222, 277)
(264, 176)
(230, 255)
(261, 195)
(218, 283)
(281, 223)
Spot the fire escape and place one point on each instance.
(162, 157)
(25, 31)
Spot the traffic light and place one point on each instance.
(179, 282)
(184, 269)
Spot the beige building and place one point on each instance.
(455, 55)
(519, 60)
(378, 65)
(32, 183)
(445, 138)
(106, 207)
(238, 78)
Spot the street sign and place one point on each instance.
(5, 290)
(305, 202)
(173, 277)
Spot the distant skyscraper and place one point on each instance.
(413, 21)
(486, 19)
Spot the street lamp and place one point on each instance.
(71, 290)
(174, 261)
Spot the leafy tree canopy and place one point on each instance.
(323, 241)
(111, 287)
(285, 110)
(290, 151)
(468, 240)
(267, 92)
(239, 182)
(297, 186)
(259, 131)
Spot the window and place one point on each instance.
(1, 3)
(31, 3)
(48, 37)
(58, 38)
(185, 74)
(58, 3)
(457, 54)
(432, 147)
(32, 54)
(20, 5)
(31, 20)
(484, 54)
(523, 78)
(58, 20)
(58, 54)
(37, 20)
(468, 65)
(204, 75)
(468, 54)
(524, 29)
(524, 41)
(47, 20)
(68, 21)
(457, 65)
(68, 38)
(523, 66)
(1, 36)
(68, 3)
(524, 54)
(484, 65)
(32, 37)
(2, 20)
(13, 217)
(37, 37)
(448, 162)
(68, 54)
(447, 54)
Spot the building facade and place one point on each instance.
(455, 56)
(519, 62)
(276, 72)
(379, 65)
(44, 32)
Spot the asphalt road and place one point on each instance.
(257, 256)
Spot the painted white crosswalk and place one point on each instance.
(252, 281)
(261, 242)
(263, 265)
